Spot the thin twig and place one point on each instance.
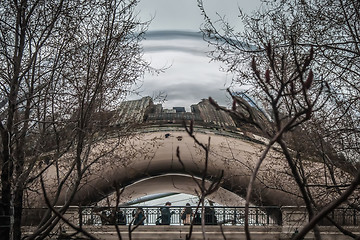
(59, 215)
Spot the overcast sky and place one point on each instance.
(172, 42)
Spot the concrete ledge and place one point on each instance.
(179, 232)
(212, 232)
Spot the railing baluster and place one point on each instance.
(235, 216)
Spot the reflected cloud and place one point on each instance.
(189, 49)
(168, 34)
(191, 76)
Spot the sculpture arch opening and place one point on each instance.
(175, 183)
(180, 183)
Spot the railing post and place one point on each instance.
(225, 219)
(235, 215)
(293, 219)
(80, 216)
(256, 216)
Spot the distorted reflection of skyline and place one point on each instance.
(189, 77)
(174, 41)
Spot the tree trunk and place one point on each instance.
(5, 204)
(18, 204)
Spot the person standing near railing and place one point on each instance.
(186, 214)
(165, 214)
(120, 218)
(139, 216)
(210, 216)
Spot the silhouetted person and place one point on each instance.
(210, 218)
(139, 216)
(120, 218)
(186, 214)
(165, 214)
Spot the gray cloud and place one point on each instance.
(180, 41)
(186, 15)
(174, 48)
(172, 34)
(191, 76)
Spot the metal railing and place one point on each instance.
(263, 216)
(258, 216)
(343, 217)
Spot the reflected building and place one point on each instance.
(144, 111)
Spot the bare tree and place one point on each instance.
(64, 65)
(20, 51)
(302, 59)
(203, 190)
